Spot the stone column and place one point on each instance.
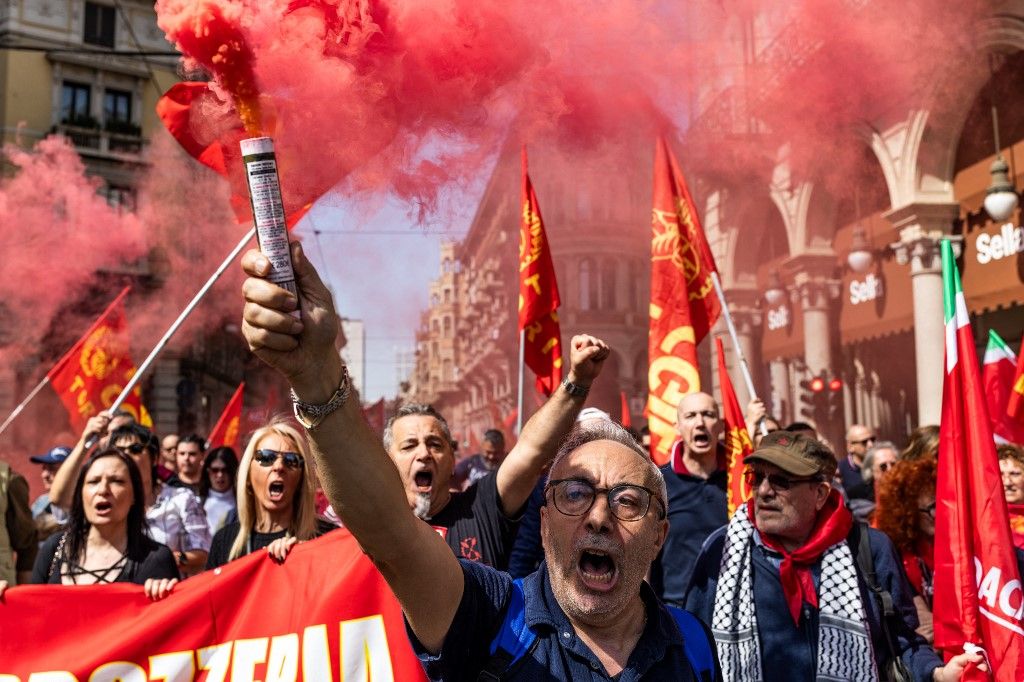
(921, 227)
(780, 396)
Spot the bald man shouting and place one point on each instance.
(696, 478)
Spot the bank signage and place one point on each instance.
(992, 247)
(778, 318)
(865, 290)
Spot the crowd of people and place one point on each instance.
(569, 556)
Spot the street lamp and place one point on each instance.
(775, 293)
(859, 258)
(1001, 197)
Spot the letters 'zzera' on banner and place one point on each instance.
(252, 619)
(684, 305)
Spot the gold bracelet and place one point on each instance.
(310, 415)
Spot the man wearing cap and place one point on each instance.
(784, 592)
(696, 478)
(49, 462)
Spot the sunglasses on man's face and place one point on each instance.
(133, 449)
(755, 478)
(865, 441)
(266, 458)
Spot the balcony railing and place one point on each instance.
(125, 140)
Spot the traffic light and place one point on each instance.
(813, 398)
(835, 400)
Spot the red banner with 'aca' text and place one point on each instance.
(325, 614)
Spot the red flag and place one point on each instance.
(978, 597)
(93, 373)
(626, 420)
(226, 432)
(737, 440)
(1015, 406)
(683, 301)
(538, 295)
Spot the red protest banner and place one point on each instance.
(306, 619)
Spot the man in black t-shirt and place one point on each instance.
(479, 524)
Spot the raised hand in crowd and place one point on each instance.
(279, 549)
(62, 488)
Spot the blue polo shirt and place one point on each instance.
(559, 653)
(697, 507)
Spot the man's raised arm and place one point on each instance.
(357, 475)
(541, 436)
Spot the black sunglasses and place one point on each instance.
(865, 441)
(266, 458)
(133, 449)
(928, 511)
(755, 478)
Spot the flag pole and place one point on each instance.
(21, 406)
(181, 319)
(737, 348)
(60, 363)
(522, 362)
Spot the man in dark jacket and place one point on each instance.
(783, 591)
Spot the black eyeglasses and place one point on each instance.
(266, 458)
(928, 511)
(133, 449)
(575, 497)
(885, 466)
(864, 441)
(755, 478)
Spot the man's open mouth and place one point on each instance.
(424, 481)
(701, 439)
(597, 569)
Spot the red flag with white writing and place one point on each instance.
(737, 440)
(538, 294)
(683, 302)
(227, 431)
(93, 373)
(978, 595)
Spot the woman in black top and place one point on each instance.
(275, 491)
(105, 539)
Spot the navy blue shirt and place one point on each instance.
(527, 551)
(697, 507)
(850, 473)
(789, 652)
(559, 653)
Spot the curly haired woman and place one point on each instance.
(906, 513)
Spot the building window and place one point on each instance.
(75, 105)
(608, 285)
(447, 295)
(117, 111)
(99, 25)
(447, 327)
(588, 285)
(121, 198)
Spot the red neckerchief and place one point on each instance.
(832, 526)
(1016, 523)
(925, 553)
(680, 468)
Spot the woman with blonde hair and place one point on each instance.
(275, 491)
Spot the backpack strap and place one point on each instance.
(858, 540)
(695, 643)
(514, 640)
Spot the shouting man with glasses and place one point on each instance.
(586, 613)
(784, 585)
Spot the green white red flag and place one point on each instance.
(737, 440)
(998, 370)
(978, 597)
(227, 431)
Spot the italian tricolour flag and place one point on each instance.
(978, 596)
(998, 370)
